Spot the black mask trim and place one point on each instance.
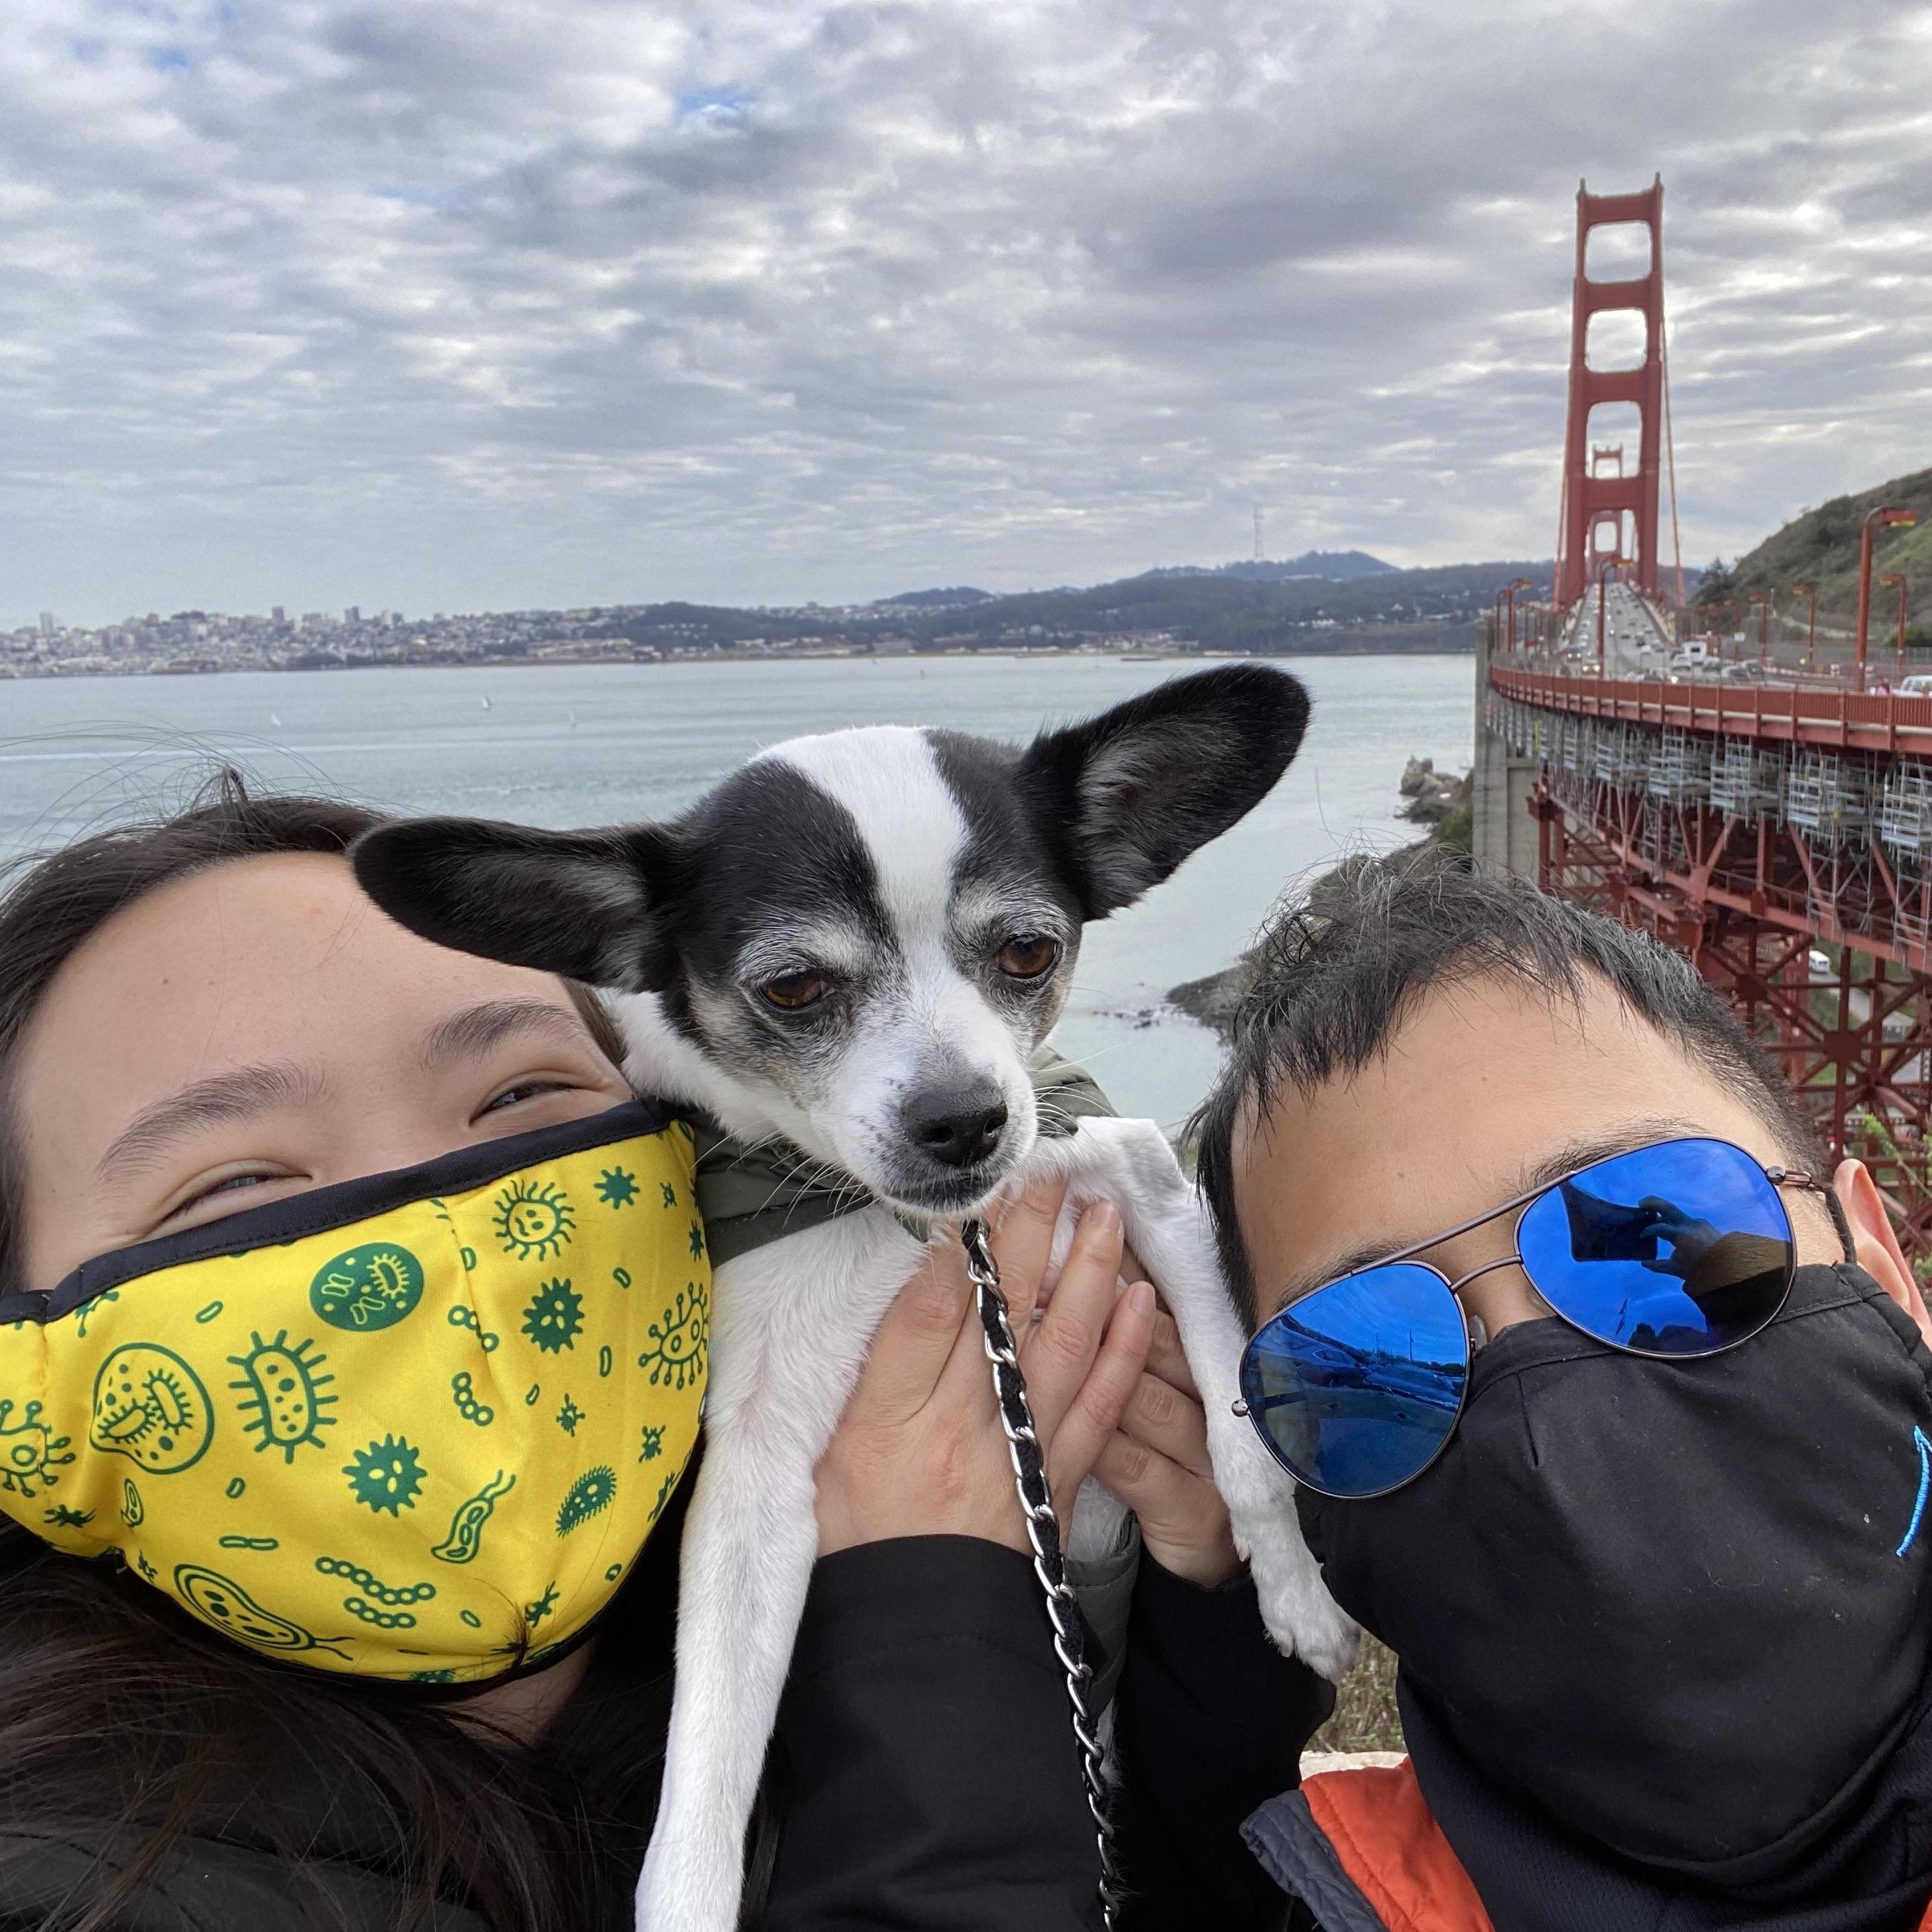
(320, 1208)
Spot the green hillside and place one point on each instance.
(1822, 547)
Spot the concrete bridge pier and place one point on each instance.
(1503, 832)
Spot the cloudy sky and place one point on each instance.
(471, 304)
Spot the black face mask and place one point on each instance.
(1683, 1606)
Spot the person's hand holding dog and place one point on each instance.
(920, 1452)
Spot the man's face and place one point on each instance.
(1481, 1087)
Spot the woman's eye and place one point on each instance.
(1030, 956)
(792, 992)
(218, 1191)
(526, 1090)
(233, 1184)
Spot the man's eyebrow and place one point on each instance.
(471, 1033)
(235, 1096)
(1626, 1139)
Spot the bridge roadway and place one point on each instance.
(1637, 641)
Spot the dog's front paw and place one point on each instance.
(1304, 1619)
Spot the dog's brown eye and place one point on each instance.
(792, 992)
(1030, 956)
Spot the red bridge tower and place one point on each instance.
(1592, 528)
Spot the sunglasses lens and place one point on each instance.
(1356, 1387)
(1682, 1248)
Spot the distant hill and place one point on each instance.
(1220, 611)
(1326, 566)
(947, 599)
(1821, 547)
(1216, 611)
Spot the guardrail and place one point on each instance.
(1797, 714)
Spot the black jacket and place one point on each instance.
(923, 1775)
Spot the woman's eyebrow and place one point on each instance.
(235, 1095)
(473, 1033)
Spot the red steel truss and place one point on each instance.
(1809, 902)
(1591, 501)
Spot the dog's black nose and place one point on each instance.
(959, 1126)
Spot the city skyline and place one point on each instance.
(750, 306)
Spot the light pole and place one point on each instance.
(1609, 564)
(1898, 578)
(1762, 598)
(1810, 592)
(1884, 516)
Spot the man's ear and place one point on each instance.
(1875, 1243)
(1125, 797)
(588, 904)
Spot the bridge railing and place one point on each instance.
(1884, 721)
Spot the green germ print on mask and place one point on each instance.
(460, 1317)
(616, 1188)
(367, 1288)
(61, 1517)
(568, 1416)
(465, 1527)
(30, 1452)
(150, 1405)
(679, 1338)
(220, 1600)
(653, 1444)
(463, 1393)
(697, 1240)
(131, 1511)
(386, 1476)
(534, 1613)
(91, 1308)
(591, 1494)
(664, 1489)
(383, 1593)
(533, 1219)
(280, 1384)
(554, 1317)
(432, 1677)
(669, 1193)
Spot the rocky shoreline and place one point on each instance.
(1438, 799)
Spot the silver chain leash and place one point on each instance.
(1043, 1528)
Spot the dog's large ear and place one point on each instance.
(586, 903)
(1128, 795)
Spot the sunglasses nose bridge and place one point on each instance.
(1476, 1273)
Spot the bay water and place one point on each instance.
(567, 745)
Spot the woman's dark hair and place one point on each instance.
(124, 1726)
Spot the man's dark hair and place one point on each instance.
(1333, 980)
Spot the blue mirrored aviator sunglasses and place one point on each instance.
(1678, 1249)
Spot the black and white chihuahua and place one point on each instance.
(854, 943)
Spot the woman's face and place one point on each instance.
(260, 1029)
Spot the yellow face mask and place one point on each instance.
(416, 1427)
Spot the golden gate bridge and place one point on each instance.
(1769, 813)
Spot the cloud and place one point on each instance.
(554, 301)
